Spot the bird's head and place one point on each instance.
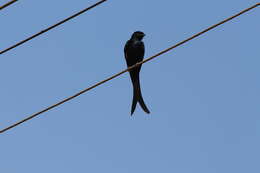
(138, 35)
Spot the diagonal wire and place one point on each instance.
(7, 4)
(51, 27)
(118, 74)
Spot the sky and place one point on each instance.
(203, 96)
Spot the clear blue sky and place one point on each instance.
(204, 96)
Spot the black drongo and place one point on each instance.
(134, 53)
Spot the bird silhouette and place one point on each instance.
(134, 53)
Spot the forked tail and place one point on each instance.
(137, 97)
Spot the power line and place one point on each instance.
(51, 27)
(118, 74)
(7, 4)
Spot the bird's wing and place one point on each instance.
(127, 45)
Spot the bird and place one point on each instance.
(134, 52)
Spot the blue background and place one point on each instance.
(203, 96)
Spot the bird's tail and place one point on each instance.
(137, 97)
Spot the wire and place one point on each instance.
(118, 74)
(7, 4)
(51, 27)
